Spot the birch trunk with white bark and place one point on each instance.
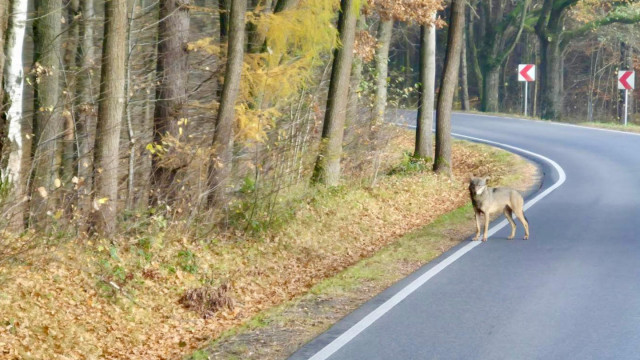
(13, 86)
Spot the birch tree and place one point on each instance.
(3, 29)
(13, 86)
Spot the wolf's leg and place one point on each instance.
(520, 215)
(477, 226)
(509, 214)
(486, 226)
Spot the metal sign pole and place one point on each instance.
(626, 104)
(526, 97)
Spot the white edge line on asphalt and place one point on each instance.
(551, 123)
(365, 322)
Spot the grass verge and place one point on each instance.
(612, 126)
(630, 127)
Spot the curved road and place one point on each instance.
(570, 292)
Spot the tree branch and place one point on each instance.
(501, 58)
(620, 15)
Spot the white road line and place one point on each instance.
(552, 123)
(376, 314)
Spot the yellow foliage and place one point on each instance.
(207, 45)
(252, 124)
(295, 40)
(302, 32)
(265, 85)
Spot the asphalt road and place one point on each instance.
(570, 292)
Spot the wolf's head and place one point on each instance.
(477, 185)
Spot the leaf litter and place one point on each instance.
(84, 300)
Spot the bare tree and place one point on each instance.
(424, 142)
(85, 110)
(385, 30)
(13, 87)
(3, 29)
(171, 91)
(448, 84)
(327, 168)
(356, 78)
(110, 110)
(464, 83)
(48, 122)
(220, 168)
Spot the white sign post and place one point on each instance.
(626, 82)
(526, 73)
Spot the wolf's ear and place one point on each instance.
(486, 178)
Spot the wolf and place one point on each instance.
(487, 200)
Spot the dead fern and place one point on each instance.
(207, 300)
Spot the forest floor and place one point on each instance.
(164, 295)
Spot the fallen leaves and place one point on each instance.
(59, 306)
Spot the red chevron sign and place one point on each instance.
(526, 72)
(626, 80)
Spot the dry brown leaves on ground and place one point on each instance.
(94, 300)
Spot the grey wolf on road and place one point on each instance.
(487, 200)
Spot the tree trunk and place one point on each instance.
(424, 140)
(448, 84)
(354, 86)
(171, 92)
(13, 87)
(550, 80)
(220, 169)
(85, 112)
(4, 16)
(4, 12)
(491, 90)
(48, 122)
(71, 50)
(475, 61)
(224, 7)
(385, 30)
(255, 41)
(464, 78)
(501, 29)
(282, 5)
(327, 167)
(110, 110)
